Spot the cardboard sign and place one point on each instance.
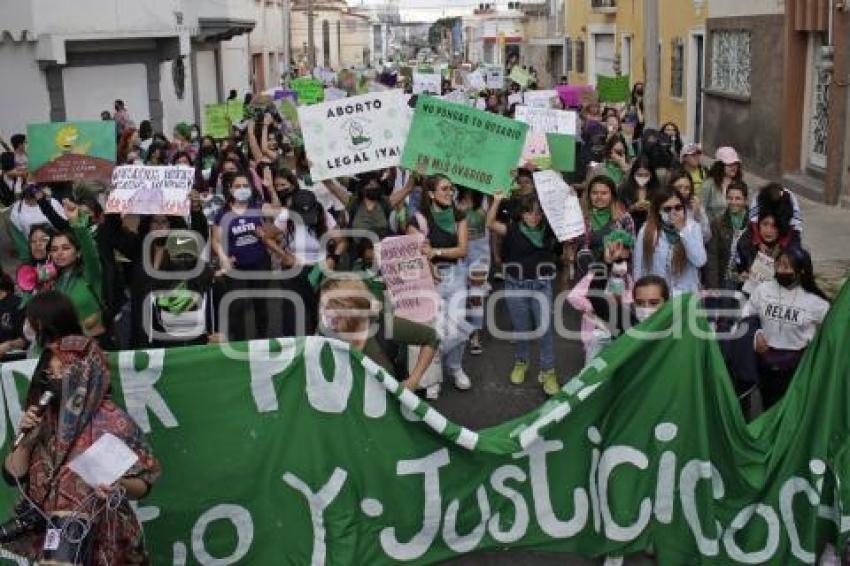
(71, 151)
(407, 275)
(544, 121)
(309, 91)
(471, 147)
(541, 98)
(354, 135)
(216, 121)
(613, 89)
(427, 83)
(139, 189)
(560, 205)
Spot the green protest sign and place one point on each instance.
(520, 76)
(613, 89)
(471, 147)
(216, 121)
(235, 111)
(303, 452)
(562, 149)
(310, 91)
(72, 151)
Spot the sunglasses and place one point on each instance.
(669, 209)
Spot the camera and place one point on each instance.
(27, 519)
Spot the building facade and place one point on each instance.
(342, 37)
(70, 59)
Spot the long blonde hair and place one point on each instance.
(350, 301)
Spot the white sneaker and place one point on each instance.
(433, 392)
(462, 380)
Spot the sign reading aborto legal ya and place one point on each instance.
(358, 134)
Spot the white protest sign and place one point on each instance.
(515, 98)
(560, 205)
(104, 462)
(476, 80)
(495, 78)
(541, 98)
(427, 83)
(358, 134)
(139, 189)
(544, 121)
(457, 97)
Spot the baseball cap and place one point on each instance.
(690, 149)
(181, 245)
(304, 202)
(727, 155)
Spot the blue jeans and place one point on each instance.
(452, 328)
(532, 312)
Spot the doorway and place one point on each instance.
(696, 83)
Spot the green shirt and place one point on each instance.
(405, 332)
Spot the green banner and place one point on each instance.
(72, 151)
(613, 89)
(310, 91)
(299, 451)
(235, 111)
(562, 151)
(216, 121)
(471, 147)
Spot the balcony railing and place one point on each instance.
(604, 6)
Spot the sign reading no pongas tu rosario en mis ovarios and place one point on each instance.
(354, 135)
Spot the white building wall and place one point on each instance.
(207, 93)
(236, 65)
(175, 110)
(91, 90)
(23, 91)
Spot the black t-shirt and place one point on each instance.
(11, 318)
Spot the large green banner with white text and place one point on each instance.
(301, 452)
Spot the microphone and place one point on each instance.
(43, 403)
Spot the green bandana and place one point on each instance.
(444, 218)
(672, 234)
(599, 218)
(737, 219)
(620, 236)
(177, 301)
(534, 235)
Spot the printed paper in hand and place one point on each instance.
(142, 189)
(431, 83)
(544, 121)
(560, 205)
(104, 462)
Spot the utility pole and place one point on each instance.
(287, 39)
(653, 65)
(311, 44)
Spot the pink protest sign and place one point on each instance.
(571, 95)
(407, 275)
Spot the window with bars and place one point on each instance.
(677, 68)
(580, 56)
(731, 61)
(568, 54)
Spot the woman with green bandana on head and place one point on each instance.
(529, 252)
(446, 243)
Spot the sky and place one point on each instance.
(426, 10)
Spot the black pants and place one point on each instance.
(304, 305)
(237, 314)
(774, 378)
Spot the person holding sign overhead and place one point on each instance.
(446, 234)
(529, 252)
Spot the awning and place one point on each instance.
(222, 29)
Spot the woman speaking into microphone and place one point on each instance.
(60, 518)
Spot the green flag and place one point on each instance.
(310, 91)
(71, 151)
(562, 149)
(471, 147)
(613, 89)
(300, 451)
(216, 121)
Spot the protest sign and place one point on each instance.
(476, 80)
(570, 95)
(71, 151)
(235, 111)
(495, 77)
(613, 89)
(287, 94)
(309, 91)
(140, 189)
(407, 275)
(427, 83)
(304, 451)
(354, 135)
(562, 152)
(560, 205)
(520, 76)
(216, 120)
(459, 78)
(515, 98)
(332, 94)
(541, 98)
(542, 121)
(458, 97)
(471, 147)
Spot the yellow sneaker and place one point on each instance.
(518, 373)
(550, 382)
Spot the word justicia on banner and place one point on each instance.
(348, 467)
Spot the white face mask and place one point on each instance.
(242, 194)
(620, 268)
(642, 313)
(642, 181)
(666, 218)
(29, 332)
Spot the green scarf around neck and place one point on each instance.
(534, 235)
(671, 234)
(444, 218)
(737, 219)
(599, 218)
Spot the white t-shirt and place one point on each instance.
(303, 244)
(25, 216)
(789, 317)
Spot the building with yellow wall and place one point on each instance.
(606, 37)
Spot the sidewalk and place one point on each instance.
(826, 235)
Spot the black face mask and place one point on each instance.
(787, 280)
(373, 193)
